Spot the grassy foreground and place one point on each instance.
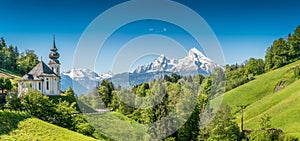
(21, 126)
(282, 105)
(117, 126)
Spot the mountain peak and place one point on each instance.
(161, 58)
(195, 51)
(195, 61)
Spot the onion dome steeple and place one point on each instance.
(54, 55)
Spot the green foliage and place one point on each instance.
(62, 113)
(38, 105)
(173, 78)
(255, 67)
(26, 61)
(13, 102)
(222, 127)
(82, 126)
(297, 71)
(21, 126)
(120, 105)
(265, 122)
(214, 84)
(105, 92)
(198, 79)
(265, 133)
(9, 120)
(282, 105)
(283, 51)
(115, 123)
(92, 100)
(206, 86)
(11, 59)
(190, 130)
(69, 92)
(290, 138)
(5, 84)
(142, 90)
(218, 82)
(237, 75)
(170, 139)
(294, 41)
(2, 43)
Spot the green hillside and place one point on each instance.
(282, 105)
(15, 77)
(13, 74)
(21, 126)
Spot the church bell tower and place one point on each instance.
(54, 64)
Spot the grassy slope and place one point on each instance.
(20, 126)
(15, 78)
(10, 73)
(117, 126)
(283, 106)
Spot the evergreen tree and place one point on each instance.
(13, 102)
(223, 127)
(254, 67)
(2, 43)
(294, 41)
(105, 92)
(39, 105)
(26, 61)
(5, 84)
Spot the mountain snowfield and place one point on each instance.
(83, 80)
(194, 62)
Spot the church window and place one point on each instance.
(47, 84)
(39, 85)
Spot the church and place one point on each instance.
(43, 78)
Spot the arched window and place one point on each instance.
(47, 84)
(40, 86)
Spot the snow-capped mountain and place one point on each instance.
(84, 80)
(160, 64)
(194, 63)
(81, 80)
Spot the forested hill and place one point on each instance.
(274, 94)
(283, 51)
(13, 60)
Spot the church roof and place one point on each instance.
(41, 69)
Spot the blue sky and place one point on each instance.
(244, 28)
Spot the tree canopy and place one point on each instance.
(5, 84)
(13, 60)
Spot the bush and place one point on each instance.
(13, 102)
(85, 129)
(290, 138)
(38, 105)
(297, 71)
(267, 135)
